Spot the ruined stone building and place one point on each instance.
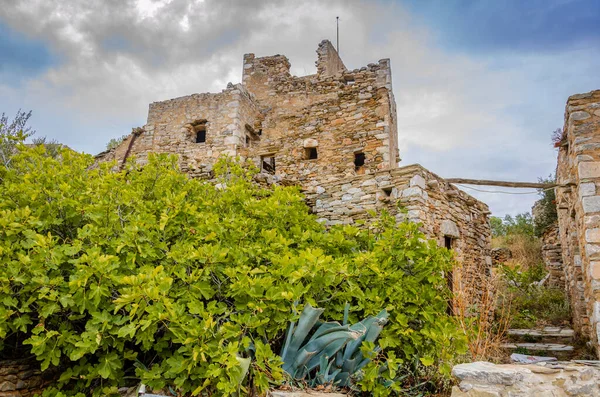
(578, 204)
(333, 133)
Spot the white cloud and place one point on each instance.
(459, 114)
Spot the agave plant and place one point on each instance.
(332, 352)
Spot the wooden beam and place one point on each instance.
(482, 182)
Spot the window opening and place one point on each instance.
(349, 80)
(448, 242)
(387, 190)
(450, 283)
(310, 153)
(268, 164)
(200, 131)
(359, 162)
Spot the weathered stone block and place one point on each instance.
(592, 235)
(417, 180)
(587, 189)
(595, 270)
(309, 393)
(591, 204)
(488, 373)
(589, 169)
(580, 115)
(449, 228)
(310, 143)
(412, 191)
(473, 392)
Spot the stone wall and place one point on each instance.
(552, 255)
(333, 133)
(578, 204)
(450, 216)
(229, 118)
(328, 60)
(22, 378)
(482, 379)
(342, 116)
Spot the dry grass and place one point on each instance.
(478, 317)
(526, 250)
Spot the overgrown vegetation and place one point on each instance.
(533, 305)
(114, 142)
(522, 301)
(520, 225)
(11, 133)
(146, 275)
(546, 214)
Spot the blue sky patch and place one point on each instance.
(20, 56)
(513, 25)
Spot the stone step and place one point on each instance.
(558, 350)
(546, 334)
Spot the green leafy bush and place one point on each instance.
(546, 214)
(520, 224)
(145, 274)
(532, 305)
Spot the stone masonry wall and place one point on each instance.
(21, 378)
(328, 60)
(578, 207)
(340, 115)
(169, 129)
(552, 255)
(449, 216)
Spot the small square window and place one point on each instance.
(359, 162)
(448, 242)
(310, 153)
(267, 164)
(200, 132)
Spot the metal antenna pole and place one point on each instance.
(337, 27)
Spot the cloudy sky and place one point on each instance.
(480, 84)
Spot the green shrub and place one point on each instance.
(532, 305)
(145, 274)
(547, 214)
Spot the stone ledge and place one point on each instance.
(483, 379)
(305, 393)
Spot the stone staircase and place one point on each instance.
(548, 341)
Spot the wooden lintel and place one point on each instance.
(483, 182)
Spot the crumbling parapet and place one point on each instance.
(328, 60)
(578, 205)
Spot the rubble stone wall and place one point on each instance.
(578, 206)
(21, 378)
(448, 215)
(344, 118)
(169, 129)
(552, 255)
(328, 60)
(340, 115)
